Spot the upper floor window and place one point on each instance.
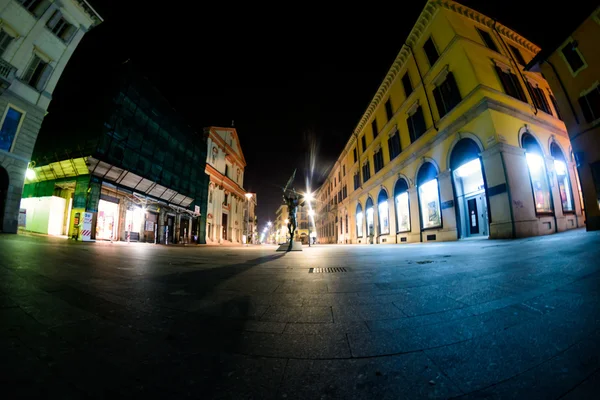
(378, 160)
(36, 7)
(394, 145)
(10, 127)
(356, 180)
(416, 124)
(446, 95)
(60, 27)
(374, 127)
(511, 84)
(430, 51)
(363, 141)
(37, 73)
(573, 57)
(555, 105)
(487, 39)
(539, 99)
(5, 41)
(517, 53)
(354, 154)
(366, 170)
(590, 104)
(227, 170)
(407, 85)
(226, 199)
(344, 169)
(388, 109)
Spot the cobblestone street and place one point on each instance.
(469, 319)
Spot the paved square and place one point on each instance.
(469, 319)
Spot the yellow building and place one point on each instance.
(457, 142)
(572, 68)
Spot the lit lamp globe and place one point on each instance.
(308, 196)
(248, 196)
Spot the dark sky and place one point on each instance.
(292, 79)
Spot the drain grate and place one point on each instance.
(326, 270)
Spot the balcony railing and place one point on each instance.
(7, 75)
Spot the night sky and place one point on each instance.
(293, 79)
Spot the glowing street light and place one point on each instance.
(308, 197)
(30, 174)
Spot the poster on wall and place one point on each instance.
(149, 225)
(86, 230)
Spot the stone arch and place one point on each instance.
(524, 132)
(460, 136)
(424, 161)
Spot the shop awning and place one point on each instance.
(136, 183)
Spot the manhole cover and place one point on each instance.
(326, 270)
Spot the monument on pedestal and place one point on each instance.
(292, 199)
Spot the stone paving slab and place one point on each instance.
(474, 319)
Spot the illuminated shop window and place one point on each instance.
(359, 221)
(384, 213)
(429, 197)
(562, 175)
(402, 206)
(537, 173)
(370, 211)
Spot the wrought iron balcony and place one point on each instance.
(7, 75)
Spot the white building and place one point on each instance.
(37, 39)
(225, 165)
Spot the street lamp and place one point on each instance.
(248, 196)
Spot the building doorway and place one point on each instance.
(224, 226)
(3, 193)
(170, 228)
(106, 224)
(469, 189)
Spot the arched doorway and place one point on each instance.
(383, 211)
(537, 173)
(429, 197)
(562, 175)
(469, 189)
(402, 206)
(359, 221)
(3, 193)
(369, 210)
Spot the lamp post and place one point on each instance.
(248, 197)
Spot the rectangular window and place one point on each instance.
(447, 95)
(344, 192)
(555, 105)
(60, 27)
(590, 105)
(366, 170)
(36, 7)
(37, 73)
(511, 84)
(429, 197)
(9, 129)
(356, 181)
(487, 39)
(517, 53)
(374, 127)
(354, 154)
(572, 56)
(363, 141)
(388, 109)
(407, 84)
(539, 183)
(394, 145)
(5, 40)
(431, 51)
(416, 124)
(539, 98)
(344, 169)
(378, 160)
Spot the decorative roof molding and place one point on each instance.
(415, 34)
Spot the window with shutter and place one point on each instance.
(36, 7)
(363, 141)
(394, 145)
(555, 105)
(416, 124)
(517, 53)
(539, 99)
(5, 40)
(407, 84)
(37, 74)
(60, 27)
(511, 84)
(447, 95)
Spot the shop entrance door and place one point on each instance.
(224, 225)
(171, 225)
(106, 224)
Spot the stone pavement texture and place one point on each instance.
(470, 319)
